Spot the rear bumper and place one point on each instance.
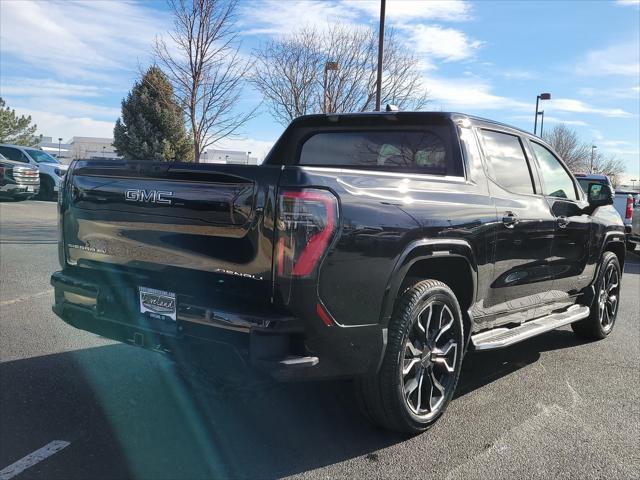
(285, 347)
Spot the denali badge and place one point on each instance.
(148, 196)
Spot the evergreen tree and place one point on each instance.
(152, 124)
(16, 129)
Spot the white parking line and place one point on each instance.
(30, 460)
(25, 297)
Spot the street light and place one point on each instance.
(383, 4)
(541, 113)
(333, 66)
(248, 155)
(593, 148)
(542, 96)
(59, 142)
(633, 183)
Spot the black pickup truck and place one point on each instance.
(378, 246)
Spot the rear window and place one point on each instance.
(423, 151)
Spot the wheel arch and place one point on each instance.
(449, 260)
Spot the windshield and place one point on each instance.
(41, 157)
(584, 183)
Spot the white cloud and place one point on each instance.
(622, 59)
(412, 10)
(277, 17)
(65, 126)
(32, 87)
(628, 2)
(577, 106)
(455, 94)
(446, 44)
(78, 39)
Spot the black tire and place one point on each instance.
(46, 188)
(631, 246)
(413, 365)
(604, 309)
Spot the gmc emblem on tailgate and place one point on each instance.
(148, 196)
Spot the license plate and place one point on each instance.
(158, 303)
(29, 189)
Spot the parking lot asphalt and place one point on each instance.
(552, 407)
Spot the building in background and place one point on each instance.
(236, 157)
(97, 147)
(92, 147)
(56, 148)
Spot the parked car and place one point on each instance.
(631, 217)
(51, 170)
(375, 246)
(623, 202)
(17, 180)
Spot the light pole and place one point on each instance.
(542, 96)
(59, 144)
(333, 66)
(248, 155)
(593, 148)
(633, 183)
(541, 113)
(383, 4)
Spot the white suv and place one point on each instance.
(51, 170)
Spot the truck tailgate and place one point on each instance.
(198, 221)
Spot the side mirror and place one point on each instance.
(599, 195)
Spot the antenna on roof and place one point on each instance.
(391, 108)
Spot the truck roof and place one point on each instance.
(321, 118)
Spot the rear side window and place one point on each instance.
(510, 166)
(557, 181)
(13, 154)
(423, 151)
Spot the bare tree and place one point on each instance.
(577, 154)
(291, 72)
(568, 145)
(202, 61)
(610, 166)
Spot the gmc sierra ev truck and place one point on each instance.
(376, 246)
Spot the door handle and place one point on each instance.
(562, 221)
(509, 219)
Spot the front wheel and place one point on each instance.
(604, 309)
(422, 362)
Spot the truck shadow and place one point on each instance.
(130, 413)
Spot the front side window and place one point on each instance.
(41, 157)
(557, 181)
(422, 151)
(510, 167)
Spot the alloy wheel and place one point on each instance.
(608, 297)
(430, 355)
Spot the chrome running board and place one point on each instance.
(503, 337)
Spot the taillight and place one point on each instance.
(307, 220)
(629, 213)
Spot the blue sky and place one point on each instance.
(68, 64)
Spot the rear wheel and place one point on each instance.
(604, 309)
(631, 246)
(422, 362)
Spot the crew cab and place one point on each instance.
(18, 181)
(375, 246)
